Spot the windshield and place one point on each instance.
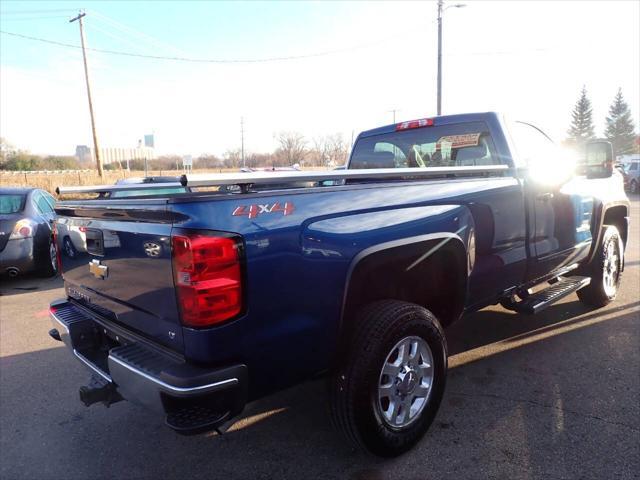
(11, 203)
(458, 145)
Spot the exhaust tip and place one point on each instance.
(13, 272)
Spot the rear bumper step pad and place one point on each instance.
(193, 398)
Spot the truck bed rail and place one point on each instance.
(245, 180)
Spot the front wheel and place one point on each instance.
(633, 186)
(387, 393)
(605, 270)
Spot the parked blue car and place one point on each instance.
(212, 299)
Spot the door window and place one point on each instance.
(546, 162)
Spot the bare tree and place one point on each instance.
(293, 148)
(208, 161)
(232, 158)
(329, 151)
(337, 149)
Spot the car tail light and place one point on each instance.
(423, 122)
(24, 228)
(208, 278)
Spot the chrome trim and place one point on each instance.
(64, 325)
(92, 366)
(171, 388)
(80, 357)
(164, 385)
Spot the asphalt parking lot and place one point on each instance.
(551, 396)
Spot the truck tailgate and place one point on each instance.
(116, 261)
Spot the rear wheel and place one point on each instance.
(605, 270)
(633, 186)
(387, 393)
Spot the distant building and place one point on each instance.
(83, 153)
(116, 154)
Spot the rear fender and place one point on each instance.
(429, 270)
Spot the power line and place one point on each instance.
(189, 59)
(33, 12)
(22, 19)
(127, 30)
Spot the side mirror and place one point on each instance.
(598, 159)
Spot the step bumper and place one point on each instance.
(149, 376)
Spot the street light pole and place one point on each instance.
(441, 10)
(439, 102)
(86, 77)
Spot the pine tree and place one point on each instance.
(619, 128)
(581, 129)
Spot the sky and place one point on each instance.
(361, 60)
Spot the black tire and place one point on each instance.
(633, 186)
(49, 266)
(354, 387)
(596, 294)
(69, 248)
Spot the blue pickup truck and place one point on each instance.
(252, 282)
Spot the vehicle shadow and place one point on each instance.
(490, 326)
(28, 283)
(534, 409)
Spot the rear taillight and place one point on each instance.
(208, 278)
(24, 228)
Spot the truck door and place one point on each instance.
(559, 212)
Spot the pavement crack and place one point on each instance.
(546, 405)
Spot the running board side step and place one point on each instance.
(538, 301)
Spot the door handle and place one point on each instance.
(544, 197)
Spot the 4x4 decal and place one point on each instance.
(252, 211)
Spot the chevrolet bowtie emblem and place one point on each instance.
(99, 271)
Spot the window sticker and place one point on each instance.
(460, 141)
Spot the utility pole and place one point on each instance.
(439, 102)
(394, 113)
(242, 141)
(86, 77)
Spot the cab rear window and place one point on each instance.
(458, 145)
